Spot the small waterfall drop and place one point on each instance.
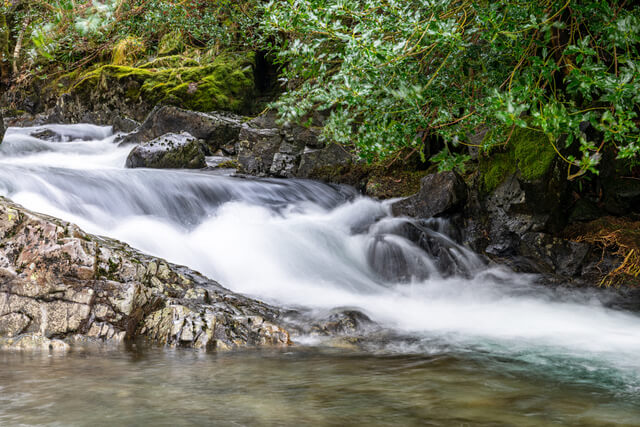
(307, 244)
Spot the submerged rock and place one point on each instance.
(60, 285)
(170, 151)
(440, 193)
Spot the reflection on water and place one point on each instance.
(293, 387)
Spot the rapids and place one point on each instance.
(317, 247)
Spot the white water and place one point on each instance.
(306, 244)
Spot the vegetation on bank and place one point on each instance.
(418, 76)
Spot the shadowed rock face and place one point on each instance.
(59, 285)
(1, 127)
(440, 193)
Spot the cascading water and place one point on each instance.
(316, 246)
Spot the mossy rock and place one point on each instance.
(171, 43)
(225, 84)
(172, 61)
(528, 151)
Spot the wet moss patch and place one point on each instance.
(528, 151)
(225, 84)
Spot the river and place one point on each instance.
(467, 344)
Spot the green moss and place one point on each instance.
(225, 84)
(528, 151)
(173, 61)
(229, 164)
(534, 153)
(494, 171)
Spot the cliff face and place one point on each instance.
(60, 285)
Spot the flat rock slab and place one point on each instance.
(60, 285)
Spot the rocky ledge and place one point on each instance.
(60, 285)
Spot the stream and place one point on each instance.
(468, 343)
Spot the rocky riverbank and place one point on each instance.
(60, 285)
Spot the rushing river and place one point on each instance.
(473, 344)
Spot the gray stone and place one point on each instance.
(312, 160)
(257, 148)
(440, 193)
(170, 151)
(216, 130)
(59, 285)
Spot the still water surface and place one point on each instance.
(295, 387)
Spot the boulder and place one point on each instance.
(257, 148)
(170, 151)
(60, 285)
(440, 194)
(313, 160)
(216, 130)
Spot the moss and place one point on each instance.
(171, 43)
(173, 61)
(528, 151)
(533, 152)
(229, 164)
(225, 84)
(494, 171)
(127, 51)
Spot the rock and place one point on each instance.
(257, 149)
(2, 130)
(440, 193)
(59, 285)
(621, 195)
(216, 130)
(555, 255)
(170, 151)
(343, 322)
(332, 156)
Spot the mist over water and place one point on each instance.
(315, 246)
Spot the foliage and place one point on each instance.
(396, 73)
(72, 33)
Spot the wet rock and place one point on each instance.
(343, 322)
(33, 342)
(622, 196)
(440, 193)
(216, 130)
(331, 156)
(257, 149)
(61, 285)
(170, 151)
(555, 255)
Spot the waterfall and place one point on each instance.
(316, 246)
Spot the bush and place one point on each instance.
(395, 74)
